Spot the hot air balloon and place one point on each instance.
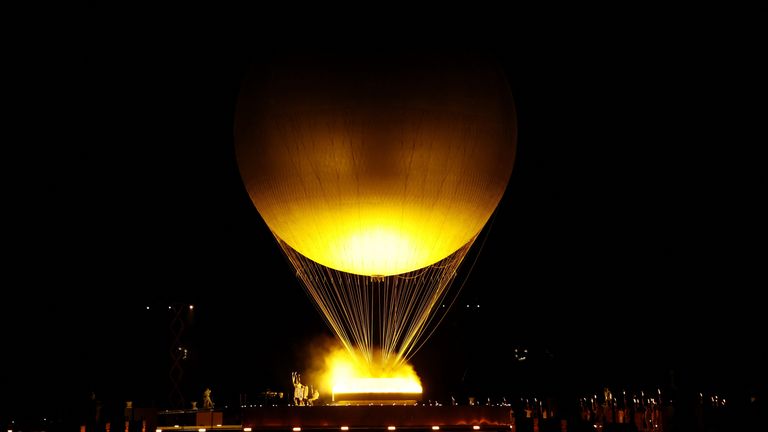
(376, 175)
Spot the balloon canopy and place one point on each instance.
(377, 167)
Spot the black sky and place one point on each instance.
(629, 244)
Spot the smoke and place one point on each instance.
(317, 373)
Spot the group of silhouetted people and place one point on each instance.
(303, 395)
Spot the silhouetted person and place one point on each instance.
(315, 396)
(298, 389)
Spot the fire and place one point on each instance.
(346, 373)
(378, 385)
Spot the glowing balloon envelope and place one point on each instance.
(376, 167)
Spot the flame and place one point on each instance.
(346, 373)
(377, 385)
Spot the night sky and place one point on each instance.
(628, 250)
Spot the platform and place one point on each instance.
(382, 417)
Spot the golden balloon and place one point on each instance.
(376, 167)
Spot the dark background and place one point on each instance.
(628, 250)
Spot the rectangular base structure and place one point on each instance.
(378, 417)
(346, 399)
(209, 418)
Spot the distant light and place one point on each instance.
(156, 430)
(147, 307)
(476, 427)
(247, 429)
(218, 425)
(391, 428)
(191, 307)
(478, 305)
(435, 427)
(296, 429)
(345, 428)
(201, 430)
(169, 308)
